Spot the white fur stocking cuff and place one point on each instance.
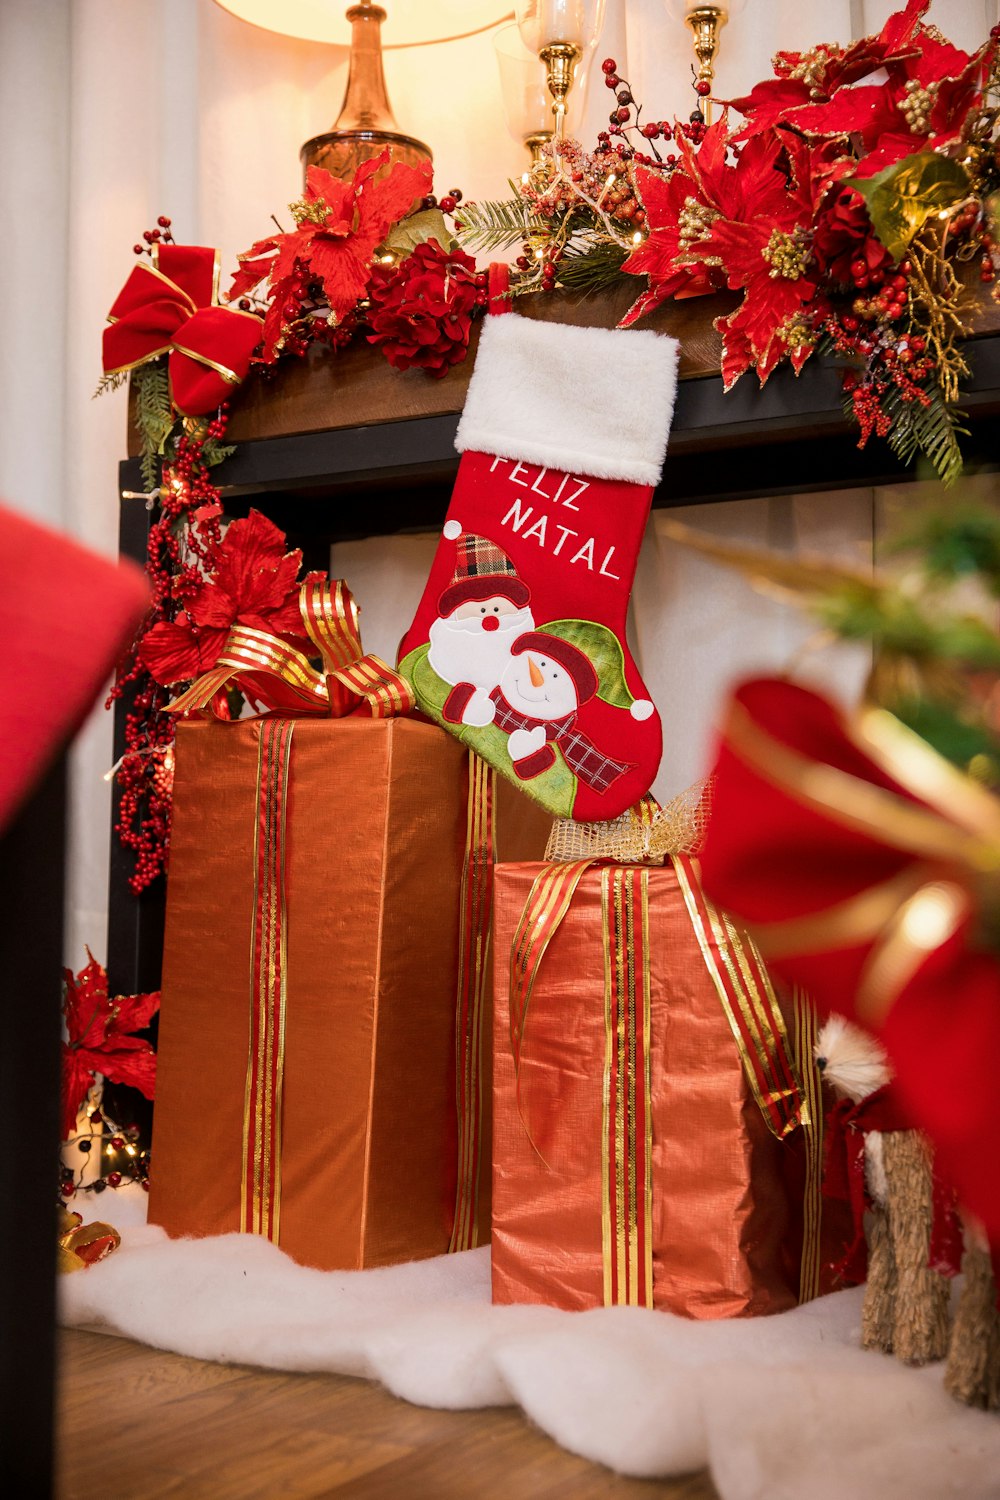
(594, 401)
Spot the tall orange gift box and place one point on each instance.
(652, 1125)
(307, 1087)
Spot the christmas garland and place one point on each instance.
(840, 210)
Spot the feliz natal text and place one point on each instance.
(564, 494)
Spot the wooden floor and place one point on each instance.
(137, 1424)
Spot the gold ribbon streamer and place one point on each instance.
(262, 1110)
(751, 1008)
(952, 837)
(805, 1030)
(627, 1141)
(282, 677)
(474, 942)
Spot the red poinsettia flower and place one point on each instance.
(422, 309)
(679, 208)
(807, 78)
(766, 253)
(98, 1040)
(902, 91)
(922, 104)
(339, 225)
(255, 583)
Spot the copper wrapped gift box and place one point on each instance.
(655, 1140)
(320, 870)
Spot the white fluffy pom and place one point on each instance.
(851, 1060)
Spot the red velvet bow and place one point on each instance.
(862, 863)
(846, 1126)
(172, 307)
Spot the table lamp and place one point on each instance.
(366, 124)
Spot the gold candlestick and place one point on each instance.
(706, 21)
(560, 59)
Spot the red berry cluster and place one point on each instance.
(620, 121)
(447, 204)
(160, 235)
(972, 224)
(129, 1161)
(182, 546)
(882, 361)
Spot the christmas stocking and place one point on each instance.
(518, 645)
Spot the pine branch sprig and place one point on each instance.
(154, 417)
(597, 269)
(111, 382)
(932, 430)
(497, 226)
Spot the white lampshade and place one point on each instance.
(409, 23)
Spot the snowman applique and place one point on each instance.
(547, 680)
(481, 614)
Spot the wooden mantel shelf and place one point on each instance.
(327, 392)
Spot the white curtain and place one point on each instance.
(114, 111)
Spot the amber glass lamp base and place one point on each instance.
(366, 124)
(342, 151)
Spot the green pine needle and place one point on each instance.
(597, 269)
(214, 452)
(154, 417)
(110, 382)
(497, 226)
(932, 430)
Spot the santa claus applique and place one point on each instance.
(481, 614)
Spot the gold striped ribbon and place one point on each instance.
(806, 1028)
(751, 1007)
(281, 677)
(474, 942)
(261, 1184)
(627, 1144)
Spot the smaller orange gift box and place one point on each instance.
(326, 959)
(653, 1125)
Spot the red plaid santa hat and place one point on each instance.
(482, 571)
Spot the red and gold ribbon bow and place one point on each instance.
(172, 307)
(866, 868)
(279, 677)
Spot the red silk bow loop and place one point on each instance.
(863, 862)
(172, 307)
(280, 679)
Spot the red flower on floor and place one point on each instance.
(255, 583)
(339, 225)
(99, 1040)
(422, 309)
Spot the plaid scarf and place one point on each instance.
(582, 756)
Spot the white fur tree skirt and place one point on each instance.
(788, 1406)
